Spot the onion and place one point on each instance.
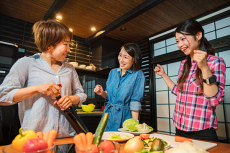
(134, 145)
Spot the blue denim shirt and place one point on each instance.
(124, 94)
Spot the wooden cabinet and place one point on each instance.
(89, 79)
(91, 122)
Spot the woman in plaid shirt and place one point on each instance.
(200, 85)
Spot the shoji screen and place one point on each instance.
(222, 111)
(165, 100)
(215, 30)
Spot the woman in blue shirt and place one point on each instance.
(125, 88)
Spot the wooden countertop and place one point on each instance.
(94, 113)
(220, 148)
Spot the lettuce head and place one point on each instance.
(130, 125)
(144, 128)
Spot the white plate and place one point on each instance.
(106, 136)
(136, 133)
(171, 139)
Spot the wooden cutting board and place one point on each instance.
(171, 141)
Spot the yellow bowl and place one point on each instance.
(88, 108)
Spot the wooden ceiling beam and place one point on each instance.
(140, 9)
(54, 9)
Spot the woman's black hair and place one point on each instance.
(192, 27)
(133, 50)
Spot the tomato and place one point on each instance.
(106, 146)
(93, 148)
(33, 145)
(144, 136)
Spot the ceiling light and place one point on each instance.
(123, 29)
(58, 17)
(71, 30)
(93, 29)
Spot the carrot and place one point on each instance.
(84, 141)
(89, 138)
(77, 139)
(39, 134)
(182, 139)
(51, 137)
(45, 136)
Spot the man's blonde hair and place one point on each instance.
(49, 33)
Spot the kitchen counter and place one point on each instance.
(220, 148)
(96, 112)
(92, 119)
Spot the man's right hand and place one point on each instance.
(48, 89)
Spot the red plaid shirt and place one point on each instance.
(195, 112)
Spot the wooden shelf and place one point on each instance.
(101, 73)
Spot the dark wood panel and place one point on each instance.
(165, 15)
(20, 32)
(30, 11)
(143, 7)
(82, 15)
(221, 42)
(145, 113)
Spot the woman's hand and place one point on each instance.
(98, 90)
(201, 58)
(159, 70)
(48, 89)
(64, 102)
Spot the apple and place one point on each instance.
(106, 146)
(34, 145)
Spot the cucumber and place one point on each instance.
(100, 129)
(145, 144)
